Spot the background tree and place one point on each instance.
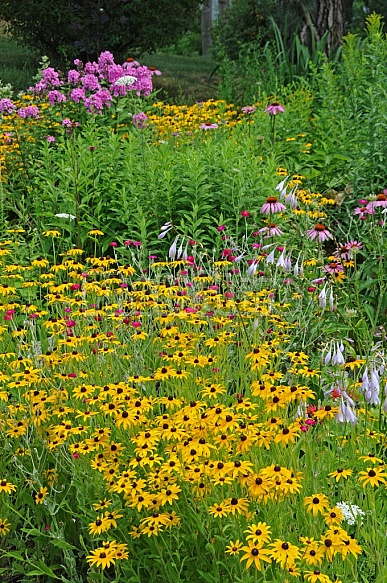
(83, 28)
(248, 22)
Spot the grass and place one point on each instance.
(183, 78)
(17, 64)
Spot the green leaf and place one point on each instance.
(42, 569)
(61, 544)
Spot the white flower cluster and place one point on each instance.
(350, 512)
(126, 80)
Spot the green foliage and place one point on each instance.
(82, 29)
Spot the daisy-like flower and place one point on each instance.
(373, 476)
(4, 526)
(319, 232)
(350, 546)
(237, 505)
(255, 554)
(234, 547)
(101, 524)
(249, 109)
(272, 205)
(371, 457)
(271, 230)
(218, 510)
(340, 473)
(258, 533)
(316, 577)
(274, 108)
(363, 211)
(101, 558)
(40, 496)
(381, 201)
(316, 503)
(334, 516)
(5, 486)
(313, 554)
(208, 126)
(284, 553)
(333, 268)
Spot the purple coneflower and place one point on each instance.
(249, 109)
(333, 268)
(208, 126)
(320, 232)
(274, 109)
(271, 230)
(381, 201)
(363, 211)
(272, 206)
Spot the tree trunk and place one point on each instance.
(206, 28)
(325, 15)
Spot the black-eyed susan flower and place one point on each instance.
(100, 558)
(255, 554)
(284, 553)
(7, 487)
(316, 503)
(316, 577)
(236, 505)
(234, 547)
(373, 477)
(218, 510)
(258, 533)
(40, 495)
(4, 526)
(100, 524)
(340, 473)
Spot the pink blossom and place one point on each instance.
(381, 201)
(319, 232)
(245, 213)
(271, 230)
(274, 109)
(272, 205)
(249, 109)
(221, 228)
(208, 126)
(333, 268)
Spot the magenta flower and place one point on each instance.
(249, 109)
(271, 230)
(221, 228)
(6, 106)
(272, 206)
(333, 268)
(140, 120)
(245, 213)
(320, 232)
(363, 211)
(274, 109)
(209, 126)
(29, 111)
(381, 201)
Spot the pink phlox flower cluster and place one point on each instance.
(6, 106)
(140, 120)
(97, 101)
(55, 97)
(50, 79)
(29, 111)
(95, 83)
